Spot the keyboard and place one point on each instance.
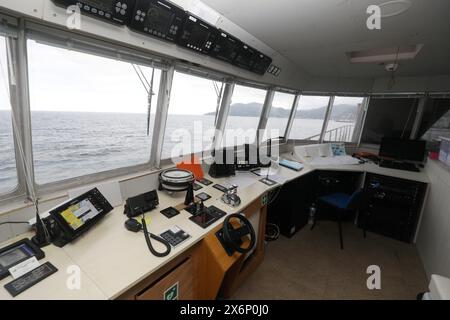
(399, 165)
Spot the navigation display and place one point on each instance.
(77, 215)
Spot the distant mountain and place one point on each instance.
(341, 112)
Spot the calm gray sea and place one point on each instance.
(67, 145)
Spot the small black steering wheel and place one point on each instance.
(233, 237)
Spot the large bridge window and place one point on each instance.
(345, 114)
(192, 115)
(89, 113)
(390, 117)
(245, 112)
(309, 118)
(8, 172)
(436, 120)
(279, 115)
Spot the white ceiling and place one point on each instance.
(316, 34)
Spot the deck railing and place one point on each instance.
(340, 134)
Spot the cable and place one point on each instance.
(272, 232)
(149, 243)
(14, 222)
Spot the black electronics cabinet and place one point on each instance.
(394, 206)
(290, 209)
(115, 11)
(197, 35)
(158, 18)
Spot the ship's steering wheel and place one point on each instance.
(233, 237)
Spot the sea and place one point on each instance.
(73, 144)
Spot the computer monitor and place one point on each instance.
(402, 149)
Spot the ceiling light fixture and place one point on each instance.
(394, 8)
(382, 55)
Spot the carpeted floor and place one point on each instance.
(311, 266)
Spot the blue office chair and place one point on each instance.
(343, 202)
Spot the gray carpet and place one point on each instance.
(311, 266)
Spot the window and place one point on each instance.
(390, 117)
(8, 172)
(344, 116)
(89, 113)
(243, 119)
(309, 118)
(279, 115)
(192, 113)
(436, 120)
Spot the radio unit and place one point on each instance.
(116, 11)
(226, 47)
(261, 64)
(245, 57)
(161, 19)
(197, 35)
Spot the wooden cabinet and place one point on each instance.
(179, 282)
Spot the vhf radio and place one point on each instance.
(115, 11)
(158, 18)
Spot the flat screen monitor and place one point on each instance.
(402, 149)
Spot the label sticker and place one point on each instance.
(172, 292)
(24, 267)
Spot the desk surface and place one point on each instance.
(113, 260)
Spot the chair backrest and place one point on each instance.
(357, 200)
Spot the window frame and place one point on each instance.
(360, 119)
(10, 36)
(292, 112)
(204, 76)
(261, 120)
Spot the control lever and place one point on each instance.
(231, 198)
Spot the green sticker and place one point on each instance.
(264, 199)
(171, 293)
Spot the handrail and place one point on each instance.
(344, 134)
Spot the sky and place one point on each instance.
(64, 80)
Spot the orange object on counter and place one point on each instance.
(193, 166)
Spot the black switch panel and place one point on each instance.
(198, 35)
(161, 19)
(115, 11)
(226, 47)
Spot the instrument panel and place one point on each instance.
(158, 18)
(262, 63)
(197, 35)
(226, 47)
(115, 11)
(166, 21)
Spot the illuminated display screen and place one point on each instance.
(78, 214)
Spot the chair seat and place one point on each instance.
(338, 200)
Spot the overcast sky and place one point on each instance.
(64, 80)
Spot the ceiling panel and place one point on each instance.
(316, 34)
